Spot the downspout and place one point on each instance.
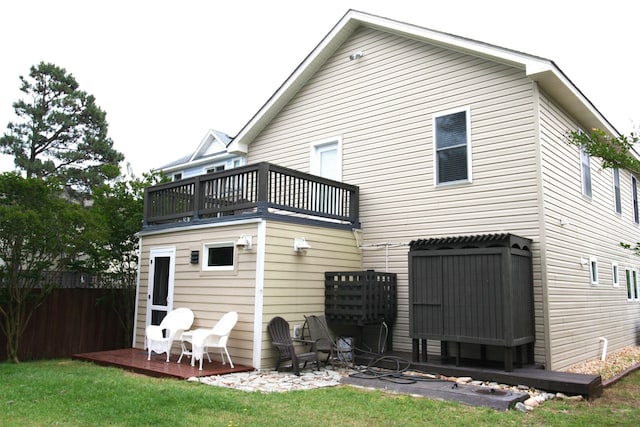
(544, 283)
(604, 348)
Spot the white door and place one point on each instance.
(162, 262)
(326, 159)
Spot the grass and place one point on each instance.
(73, 393)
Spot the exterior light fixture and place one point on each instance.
(244, 242)
(300, 245)
(356, 55)
(195, 257)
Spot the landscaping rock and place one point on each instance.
(522, 407)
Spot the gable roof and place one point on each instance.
(548, 76)
(214, 143)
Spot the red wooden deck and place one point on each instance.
(135, 359)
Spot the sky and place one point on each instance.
(166, 72)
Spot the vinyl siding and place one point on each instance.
(382, 107)
(294, 283)
(579, 313)
(209, 294)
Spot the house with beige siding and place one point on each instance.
(388, 133)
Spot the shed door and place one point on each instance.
(160, 295)
(426, 295)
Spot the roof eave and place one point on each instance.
(554, 82)
(191, 164)
(304, 71)
(541, 70)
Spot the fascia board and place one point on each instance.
(554, 82)
(209, 138)
(304, 71)
(539, 69)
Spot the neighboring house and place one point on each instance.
(210, 156)
(433, 136)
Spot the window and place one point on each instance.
(585, 163)
(633, 292)
(217, 168)
(177, 176)
(614, 274)
(452, 141)
(634, 195)
(218, 256)
(629, 278)
(326, 159)
(593, 264)
(616, 191)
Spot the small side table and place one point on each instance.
(186, 337)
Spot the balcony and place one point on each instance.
(262, 190)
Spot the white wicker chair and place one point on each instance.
(204, 339)
(174, 323)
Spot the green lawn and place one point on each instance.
(73, 393)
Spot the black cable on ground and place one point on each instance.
(346, 354)
(397, 375)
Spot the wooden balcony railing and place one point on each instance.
(262, 189)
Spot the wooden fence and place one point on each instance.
(73, 321)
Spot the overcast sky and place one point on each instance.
(166, 71)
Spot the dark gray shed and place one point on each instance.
(474, 290)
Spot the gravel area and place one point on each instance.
(613, 365)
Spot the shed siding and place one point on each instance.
(382, 108)
(209, 294)
(580, 313)
(294, 283)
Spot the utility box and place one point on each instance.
(474, 290)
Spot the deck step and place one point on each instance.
(589, 386)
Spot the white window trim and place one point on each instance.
(205, 256)
(619, 190)
(316, 148)
(628, 282)
(615, 275)
(593, 270)
(634, 285)
(467, 110)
